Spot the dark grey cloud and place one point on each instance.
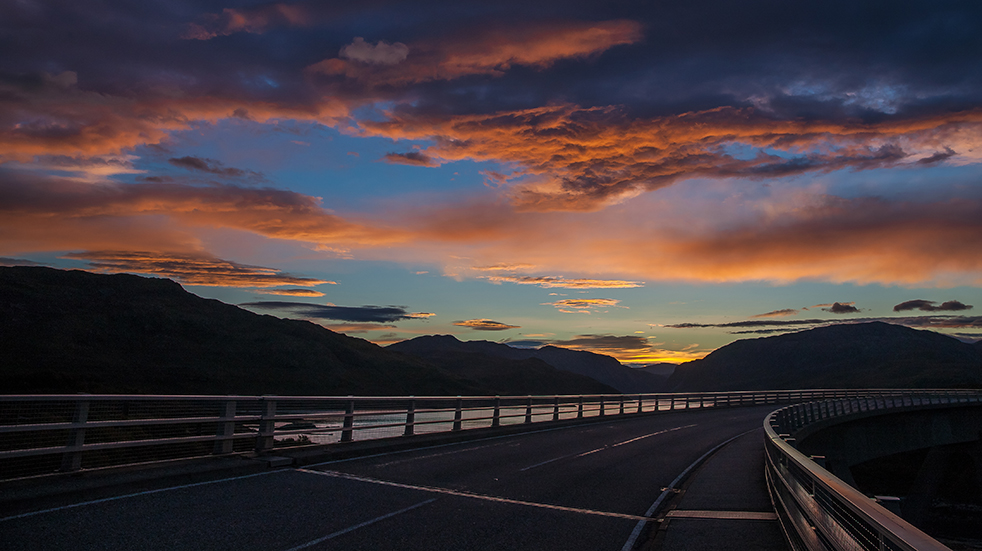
(930, 306)
(4, 261)
(625, 342)
(411, 158)
(210, 166)
(839, 308)
(774, 326)
(356, 314)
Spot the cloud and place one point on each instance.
(929, 306)
(4, 261)
(487, 51)
(411, 158)
(630, 349)
(485, 325)
(191, 270)
(842, 308)
(210, 166)
(583, 305)
(294, 292)
(381, 53)
(256, 20)
(774, 326)
(356, 314)
(563, 283)
(777, 313)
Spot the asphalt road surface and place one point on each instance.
(574, 488)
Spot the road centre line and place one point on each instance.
(602, 448)
(361, 525)
(137, 494)
(457, 493)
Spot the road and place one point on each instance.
(574, 488)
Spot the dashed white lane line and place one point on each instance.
(457, 493)
(148, 492)
(602, 448)
(361, 525)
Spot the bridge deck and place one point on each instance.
(582, 487)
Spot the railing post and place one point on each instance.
(555, 408)
(528, 410)
(579, 408)
(410, 417)
(671, 405)
(686, 401)
(226, 428)
(347, 426)
(602, 406)
(72, 461)
(458, 414)
(496, 416)
(641, 403)
(622, 404)
(267, 425)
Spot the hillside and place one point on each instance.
(446, 349)
(867, 355)
(75, 331)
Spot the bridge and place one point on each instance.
(654, 471)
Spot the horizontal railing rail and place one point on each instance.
(818, 510)
(44, 434)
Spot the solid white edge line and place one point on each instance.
(629, 544)
(148, 492)
(361, 525)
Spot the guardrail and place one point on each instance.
(43, 434)
(818, 510)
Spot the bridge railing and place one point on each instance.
(818, 510)
(43, 434)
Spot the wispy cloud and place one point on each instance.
(583, 305)
(564, 283)
(356, 314)
(778, 313)
(929, 306)
(485, 325)
(294, 292)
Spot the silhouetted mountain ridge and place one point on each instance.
(75, 331)
(866, 355)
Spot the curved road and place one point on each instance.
(573, 488)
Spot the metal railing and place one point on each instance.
(43, 434)
(818, 510)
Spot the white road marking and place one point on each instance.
(602, 448)
(137, 494)
(722, 515)
(361, 525)
(457, 493)
(629, 544)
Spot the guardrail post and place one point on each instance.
(555, 408)
(226, 428)
(687, 397)
(622, 404)
(410, 417)
(458, 414)
(579, 408)
(641, 403)
(496, 416)
(347, 426)
(528, 410)
(601, 406)
(267, 425)
(72, 461)
(671, 404)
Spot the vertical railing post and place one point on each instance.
(528, 410)
(496, 416)
(579, 408)
(72, 460)
(687, 400)
(622, 405)
(226, 428)
(410, 417)
(555, 408)
(267, 424)
(641, 403)
(601, 406)
(458, 414)
(348, 424)
(671, 404)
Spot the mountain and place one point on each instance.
(75, 331)
(598, 367)
(865, 355)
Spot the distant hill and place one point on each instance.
(866, 355)
(598, 367)
(75, 331)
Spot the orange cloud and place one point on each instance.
(256, 20)
(482, 52)
(583, 305)
(294, 292)
(191, 270)
(563, 283)
(485, 325)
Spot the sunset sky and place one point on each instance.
(650, 180)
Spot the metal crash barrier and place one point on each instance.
(817, 510)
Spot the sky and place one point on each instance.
(649, 180)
